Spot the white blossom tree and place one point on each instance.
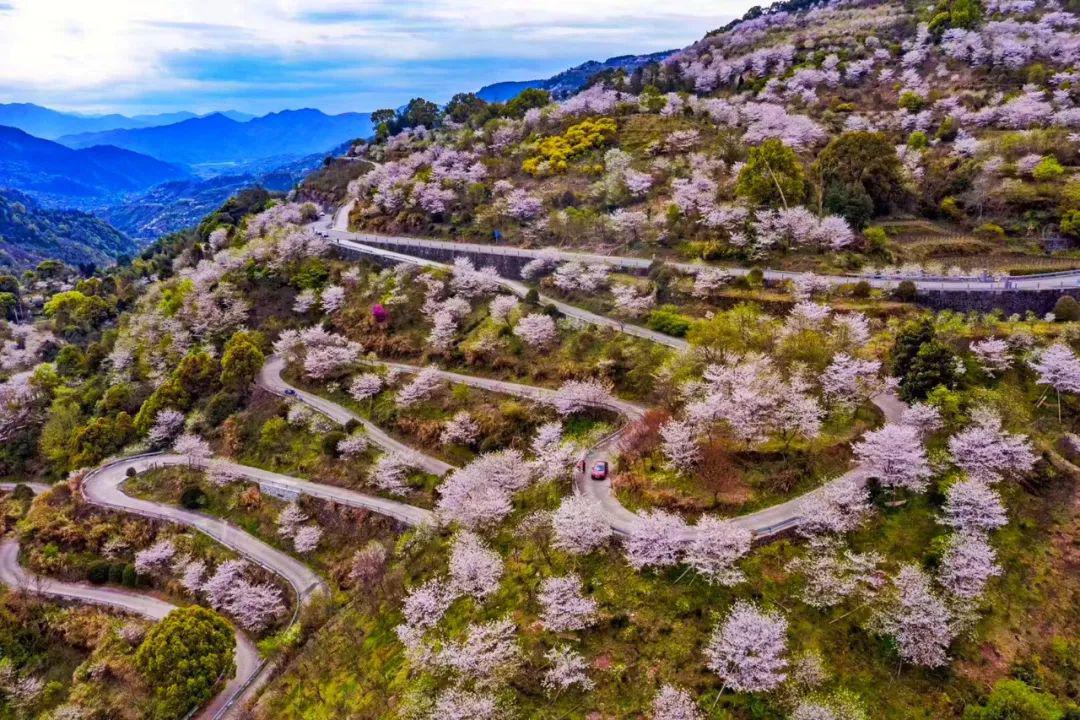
(365, 386)
(992, 355)
(553, 457)
(389, 473)
(564, 605)
(422, 386)
(833, 573)
(501, 307)
(972, 506)
(457, 704)
(474, 568)
(425, 604)
(838, 506)
(715, 547)
(306, 539)
(917, 619)
(573, 396)
(923, 416)
(290, 519)
(566, 668)
(657, 540)
(895, 456)
(155, 558)
(680, 445)
(536, 330)
(580, 525)
(167, 425)
(1057, 367)
(192, 446)
(462, 428)
(987, 452)
(488, 654)
(968, 564)
(748, 649)
(848, 381)
(672, 703)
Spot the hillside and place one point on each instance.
(569, 81)
(30, 233)
(217, 140)
(61, 176)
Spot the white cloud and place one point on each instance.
(106, 53)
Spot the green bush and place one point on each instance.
(1067, 309)
(990, 230)
(1048, 169)
(330, 442)
(1015, 700)
(193, 498)
(182, 658)
(918, 140)
(116, 573)
(906, 291)
(130, 578)
(98, 573)
(861, 290)
(352, 426)
(668, 320)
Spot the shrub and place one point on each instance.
(555, 152)
(912, 102)
(352, 426)
(917, 140)
(98, 573)
(669, 321)
(861, 289)
(1070, 223)
(905, 291)
(130, 472)
(330, 442)
(1047, 169)
(1015, 700)
(532, 297)
(129, 578)
(1067, 309)
(755, 278)
(182, 658)
(772, 175)
(990, 230)
(193, 498)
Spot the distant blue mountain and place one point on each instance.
(58, 175)
(569, 81)
(51, 124)
(218, 139)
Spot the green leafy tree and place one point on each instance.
(182, 658)
(850, 202)
(420, 112)
(772, 175)
(463, 106)
(198, 373)
(1015, 700)
(956, 14)
(526, 100)
(1067, 309)
(72, 311)
(240, 362)
(863, 158)
(932, 366)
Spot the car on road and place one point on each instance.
(599, 470)
(290, 392)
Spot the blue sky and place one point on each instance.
(136, 56)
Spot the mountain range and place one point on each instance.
(50, 124)
(59, 175)
(569, 81)
(213, 143)
(30, 233)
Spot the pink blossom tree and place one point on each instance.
(389, 473)
(167, 425)
(967, 566)
(457, 704)
(573, 396)
(425, 604)
(918, 621)
(536, 330)
(566, 668)
(748, 649)
(353, 445)
(192, 446)
(680, 445)
(972, 506)
(838, 506)
(501, 307)
(1057, 367)
(564, 606)
(155, 558)
(987, 452)
(422, 386)
(895, 456)
(332, 298)
(462, 429)
(365, 386)
(553, 457)
(672, 703)
(290, 519)
(992, 355)
(658, 539)
(715, 547)
(306, 539)
(474, 568)
(488, 654)
(833, 573)
(520, 205)
(255, 606)
(847, 381)
(580, 526)
(922, 416)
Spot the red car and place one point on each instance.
(599, 470)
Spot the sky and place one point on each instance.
(258, 56)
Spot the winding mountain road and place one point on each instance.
(246, 656)
(338, 231)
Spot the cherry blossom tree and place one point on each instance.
(567, 668)
(458, 704)
(488, 654)
(553, 457)
(167, 425)
(580, 526)
(191, 446)
(838, 506)
(658, 539)
(425, 604)
(545, 261)
(967, 566)
(326, 354)
(1057, 367)
(918, 621)
(629, 302)
(423, 385)
(987, 453)
(748, 649)
(365, 386)
(848, 381)
(290, 519)
(155, 558)
(520, 205)
(834, 573)
(501, 307)
(474, 568)
(368, 564)
(573, 396)
(20, 405)
(709, 281)
(255, 606)
(305, 301)
(353, 445)
(470, 282)
(680, 445)
(332, 298)
(192, 576)
(536, 330)
(971, 506)
(307, 538)
(218, 586)
(461, 428)
(443, 330)
(564, 606)
(895, 456)
(922, 416)
(715, 547)
(672, 703)
(992, 355)
(389, 473)
(478, 495)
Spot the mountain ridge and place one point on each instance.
(570, 80)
